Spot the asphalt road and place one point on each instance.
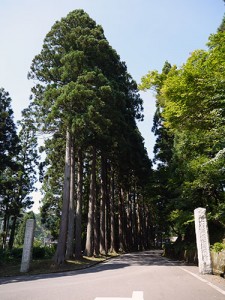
(157, 277)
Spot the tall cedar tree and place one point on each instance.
(82, 87)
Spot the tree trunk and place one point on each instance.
(61, 247)
(112, 215)
(96, 228)
(107, 208)
(139, 231)
(12, 234)
(96, 225)
(121, 221)
(150, 231)
(78, 236)
(103, 207)
(89, 239)
(70, 238)
(134, 220)
(5, 229)
(129, 223)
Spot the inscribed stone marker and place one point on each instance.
(202, 238)
(28, 245)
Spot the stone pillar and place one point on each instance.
(28, 245)
(202, 238)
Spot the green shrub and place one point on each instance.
(38, 252)
(50, 251)
(43, 252)
(218, 247)
(37, 243)
(10, 255)
(16, 253)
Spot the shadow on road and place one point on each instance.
(146, 258)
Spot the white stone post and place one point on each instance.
(202, 239)
(28, 245)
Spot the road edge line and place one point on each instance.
(205, 281)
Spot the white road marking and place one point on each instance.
(205, 281)
(137, 295)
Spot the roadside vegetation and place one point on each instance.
(42, 262)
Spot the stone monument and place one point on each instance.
(202, 238)
(28, 245)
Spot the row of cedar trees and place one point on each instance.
(88, 104)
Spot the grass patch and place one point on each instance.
(46, 266)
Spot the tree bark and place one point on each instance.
(112, 215)
(139, 229)
(78, 234)
(134, 220)
(89, 239)
(103, 207)
(12, 234)
(70, 238)
(129, 223)
(5, 229)
(61, 246)
(121, 221)
(96, 228)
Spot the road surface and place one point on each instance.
(157, 277)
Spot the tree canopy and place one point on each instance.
(190, 107)
(85, 98)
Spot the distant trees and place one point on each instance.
(18, 157)
(9, 149)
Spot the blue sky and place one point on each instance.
(145, 33)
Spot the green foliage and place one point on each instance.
(9, 149)
(159, 190)
(189, 125)
(181, 219)
(9, 142)
(83, 88)
(15, 255)
(9, 256)
(42, 252)
(218, 247)
(194, 105)
(18, 160)
(19, 239)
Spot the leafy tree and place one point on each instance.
(191, 104)
(160, 185)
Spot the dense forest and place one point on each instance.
(101, 192)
